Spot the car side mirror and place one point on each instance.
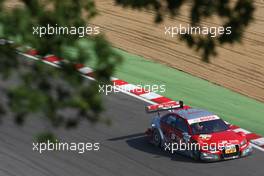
(186, 137)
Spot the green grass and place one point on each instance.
(232, 107)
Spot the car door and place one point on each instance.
(167, 126)
(180, 128)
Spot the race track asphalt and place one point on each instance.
(123, 150)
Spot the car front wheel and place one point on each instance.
(196, 155)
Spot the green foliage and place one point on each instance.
(236, 14)
(48, 92)
(44, 91)
(45, 137)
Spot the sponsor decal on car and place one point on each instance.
(203, 119)
(205, 136)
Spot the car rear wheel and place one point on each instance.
(156, 138)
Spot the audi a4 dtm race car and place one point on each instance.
(196, 133)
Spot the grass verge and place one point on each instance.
(232, 107)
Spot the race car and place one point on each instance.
(196, 133)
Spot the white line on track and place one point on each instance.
(121, 90)
(257, 147)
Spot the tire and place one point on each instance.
(196, 155)
(156, 138)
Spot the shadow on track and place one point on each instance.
(140, 142)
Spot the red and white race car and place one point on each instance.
(196, 133)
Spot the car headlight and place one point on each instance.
(244, 142)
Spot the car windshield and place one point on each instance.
(208, 127)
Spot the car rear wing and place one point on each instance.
(164, 106)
